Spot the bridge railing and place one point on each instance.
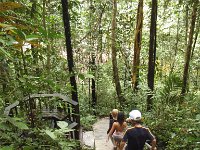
(43, 104)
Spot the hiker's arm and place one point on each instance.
(122, 145)
(152, 138)
(111, 131)
(153, 144)
(124, 140)
(110, 123)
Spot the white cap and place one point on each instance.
(135, 115)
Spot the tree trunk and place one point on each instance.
(176, 44)
(186, 23)
(137, 45)
(189, 47)
(92, 64)
(33, 8)
(196, 35)
(66, 19)
(94, 99)
(114, 55)
(99, 48)
(152, 54)
(4, 74)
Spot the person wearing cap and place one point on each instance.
(137, 135)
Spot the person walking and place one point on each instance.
(137, 135)
(117, 130)
(112, 119)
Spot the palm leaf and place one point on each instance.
(4, 6)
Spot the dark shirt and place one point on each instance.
(111, 121)
(136, 137)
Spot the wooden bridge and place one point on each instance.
(49, 108)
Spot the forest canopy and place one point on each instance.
(100, 54)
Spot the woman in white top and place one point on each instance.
(118, 129)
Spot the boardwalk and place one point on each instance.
(100, 129)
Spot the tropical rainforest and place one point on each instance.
(63, 64)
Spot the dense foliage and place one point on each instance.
(33, 60)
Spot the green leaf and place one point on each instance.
(5, 53)
(32, 37)
(51, 134)
(89, 76)
(62, 124)
(2, 25)
(22, 79)
(43, 32)
(7, 148)
(21, 34)
(81, 76)
(17, 123)
(28, 147)
(198, 116)
(21, 125)
(11, 41)
(4, 126)
(2, 41)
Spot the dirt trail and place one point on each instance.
(100, 132)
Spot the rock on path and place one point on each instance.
(100, 133)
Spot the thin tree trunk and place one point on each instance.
(189, 47)
(66, 20)
(186, 23)
(92, 63)
(137, 45)
(127, 66)
(196, 35)
(44, 14)
(152, 54)
(176, 44)
(24, 63)
(94, 98)
(4, 78)
(89, 92)
(114, 55)
(33, 8)
(33, 48)
(99, 45)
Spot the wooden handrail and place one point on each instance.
(13, 105)
(63, 97)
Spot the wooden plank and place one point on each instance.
(72, 125)
(13, 105)
(63, 97)
(59, 116)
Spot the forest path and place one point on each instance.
(100, 133)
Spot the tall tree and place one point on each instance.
(137, 44)
(177, 40)
(152, 54)
(93, 64)
(66, 20)
(186, 22)
(189, 47)
(114, 55)
(196, 35)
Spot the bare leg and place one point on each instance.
(113, 141)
